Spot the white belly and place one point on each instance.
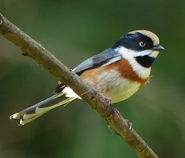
(113, 86)
(123, 91)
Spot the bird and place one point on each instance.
(117, 73)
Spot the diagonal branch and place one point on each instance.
(95, 100)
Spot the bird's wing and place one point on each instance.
(104, 58)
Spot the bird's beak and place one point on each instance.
(158, 47)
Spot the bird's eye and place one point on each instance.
(142, 44)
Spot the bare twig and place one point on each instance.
(96, 101)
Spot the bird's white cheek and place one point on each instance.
(142, 53)
(154, 54)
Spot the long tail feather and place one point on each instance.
(27, 115)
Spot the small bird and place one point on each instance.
(118, 72)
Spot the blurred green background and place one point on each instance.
(73, 31)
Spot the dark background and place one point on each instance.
(73, 31)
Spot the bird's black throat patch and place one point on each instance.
(145, 61)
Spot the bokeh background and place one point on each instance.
(73, 31)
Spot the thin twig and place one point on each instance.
(96, 101)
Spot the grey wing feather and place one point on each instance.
(84, 66)
(104, 58)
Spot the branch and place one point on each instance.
(95, 100)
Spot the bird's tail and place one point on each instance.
(31, 113)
